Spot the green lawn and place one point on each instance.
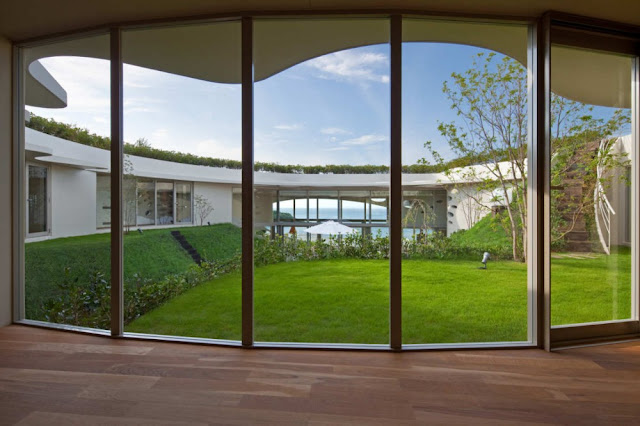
(346, 301)
(589, 290)
(153, 254)
(341, 301)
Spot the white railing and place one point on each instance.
(601, 204)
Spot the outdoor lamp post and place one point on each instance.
(485, 259)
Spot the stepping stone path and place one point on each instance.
(188, 247)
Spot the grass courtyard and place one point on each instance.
(346, 301)
(338, 301)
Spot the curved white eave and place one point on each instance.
(71, 154)
(42, 89)
(576, 74)
(282, 43)
(78, 163)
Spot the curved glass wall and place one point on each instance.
(321, 195)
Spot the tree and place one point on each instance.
(129, 199)
(490, 101)
(581, 144)
(419, 215)
(471, 210)
(203, 208)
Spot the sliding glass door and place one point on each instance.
(593, 181)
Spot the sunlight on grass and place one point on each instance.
(346, 301)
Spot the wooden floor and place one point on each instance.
(52, 377)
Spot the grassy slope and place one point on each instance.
(347, 301)
(216, 242)
(152, 254)
(487, 230)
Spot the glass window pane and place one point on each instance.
(464, 148)
(38, 196)
(103, 201)
(66, 186)
(182, 124)
(183, 203)
(164, 191)
(146, 206)
(321, 116)
(592, 153)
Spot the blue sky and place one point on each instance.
(329, 110)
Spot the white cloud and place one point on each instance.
(219, 149)
(160, 133)
(338, 148)
(334, 131)
(288, 126)
(364, 140)
(352, 66)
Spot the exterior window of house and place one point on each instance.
(103, 201)
(164, 195)
(183, 203)
(38, 200)
(353, 206)
(146, 206)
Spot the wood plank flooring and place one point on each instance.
(51, 377)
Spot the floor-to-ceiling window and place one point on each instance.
(322, 107)
(322, 204)
(182, 106)
(592, 187)
(464, 209)
(66, 136)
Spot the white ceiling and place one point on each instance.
(22, 19)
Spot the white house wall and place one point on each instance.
(74, 189)
(617, 195)
(73, 202)
(219, 195)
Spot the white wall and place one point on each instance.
(220, 196)
(5, 183)
(617, 195)
(463, 211)
(73, 202)
(263, 207)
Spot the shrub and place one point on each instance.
(89, 305)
